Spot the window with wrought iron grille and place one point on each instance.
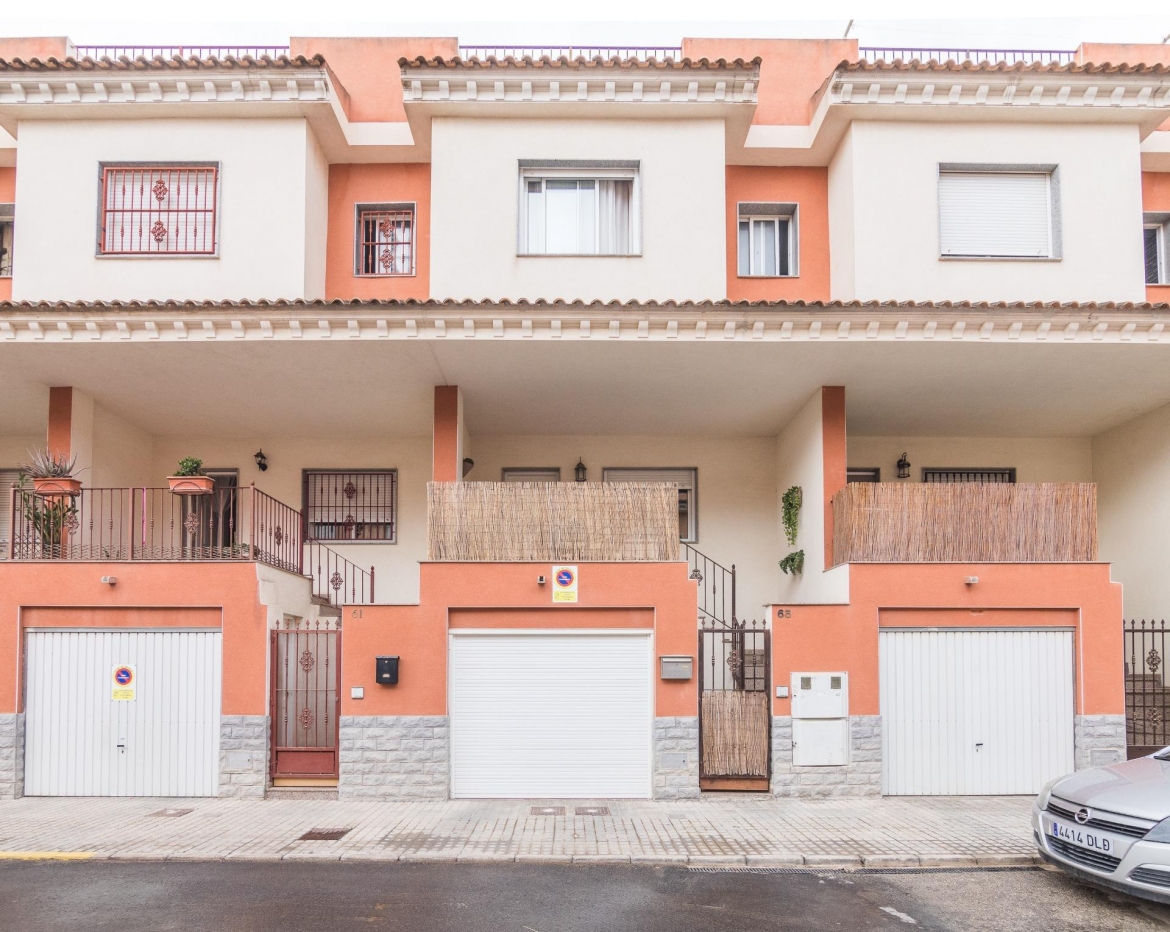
(385, 240)
(942, 474)
(159, 210)
(352, 505)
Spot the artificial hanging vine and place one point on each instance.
(789, 515)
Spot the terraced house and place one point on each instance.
(756, 414)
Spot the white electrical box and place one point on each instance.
(820, 695)
(820, 742)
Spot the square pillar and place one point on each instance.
(449, 434)
(71, 427)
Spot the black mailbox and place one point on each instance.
(387, 671)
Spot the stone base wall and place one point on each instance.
(1098, 740)
(862, 776)
(243, 755)
(676, 757)
(394, 756)
(11, 755)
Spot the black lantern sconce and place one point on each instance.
(579, 470)
(903, 467)
(468, 465)
(261, 461)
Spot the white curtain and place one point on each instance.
(614, 215)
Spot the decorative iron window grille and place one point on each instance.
(937, 474)
(159, 210)
(385, 236)
(354, 505)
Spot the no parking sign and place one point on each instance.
(564, 584)
(124, 683)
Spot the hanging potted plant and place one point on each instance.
(51, 474)
(189, 479)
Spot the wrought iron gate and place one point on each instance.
(1147, 697)
(735, 718)
(306, 698)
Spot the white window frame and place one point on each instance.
(1052, 186)
(530, 474)
(542, 174)
(361, 208)
(776, 212)
(8, 219)
(1163, 259)
(687, 478)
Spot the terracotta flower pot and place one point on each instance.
(56, 486)
(191, 485)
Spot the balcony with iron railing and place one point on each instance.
(140, 524)
(968, 55)
(965, 522)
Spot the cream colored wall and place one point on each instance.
(1131, 465)
(891, 176)
(800, 456)
(736, 494)
(316, 217)
(263, 210)
(1043, 459)
(475, 196)
(842, 228)
(15, 450)
(395, 565)
(122, 453)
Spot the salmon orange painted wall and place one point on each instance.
(447, 467)
(791, 71)
(469, 594)
(834, 459)
(350, 185)
(809, 189)
(7, 196)
(1156, 197)
(60, 434)
(367, 67)
(845, 637)
(148, 594)
(41, 47)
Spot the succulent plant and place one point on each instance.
(43, 464)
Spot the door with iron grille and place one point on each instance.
(1147, 694)
(735, 714)
(306, 698)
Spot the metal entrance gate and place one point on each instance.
(306, 698)
(735, 717)
(1147, 697)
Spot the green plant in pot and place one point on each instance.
(51, 473)
(189, 479)
(790, 517)
(44, 521)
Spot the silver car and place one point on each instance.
(1111, 825)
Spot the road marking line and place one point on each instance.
(45, 855)
(909, 920)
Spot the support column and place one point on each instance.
(71, 427)
(448, 434)
(834, 455)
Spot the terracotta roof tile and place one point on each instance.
(1039, 307)
(659, 64)
(66, 65)
(1017, 67)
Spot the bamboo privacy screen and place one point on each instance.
(894, 522)
(735, 732)
(520, 522)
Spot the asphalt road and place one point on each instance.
(307, 897)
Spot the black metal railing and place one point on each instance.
(1147, 697)
(716, 586)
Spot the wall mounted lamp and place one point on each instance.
(903, 467)
(579, 470)
(261, 460)
(468, 465)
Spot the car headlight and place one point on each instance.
(1045, 793)
(1160, 832)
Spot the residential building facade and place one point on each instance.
(767, 415)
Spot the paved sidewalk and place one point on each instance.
(723, 831)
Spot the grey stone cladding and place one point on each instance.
(11, 755)
(394, 756)
(1098, 740)
(676, 757)
(243, 755)
(862, 776)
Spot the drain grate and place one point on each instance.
(547, 810)
(325, 834)
(170, 813)
(592, 810)
(860, 870)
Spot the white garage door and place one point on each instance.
(551, 715)
(81, 741)
(975, 712)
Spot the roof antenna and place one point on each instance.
(1166, 38)
(849, 29)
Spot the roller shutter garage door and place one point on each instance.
(562, 715)
(975, 712)
(80, 741)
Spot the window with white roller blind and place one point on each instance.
(996, 214)
(8, 478)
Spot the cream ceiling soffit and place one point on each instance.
(455, 321)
